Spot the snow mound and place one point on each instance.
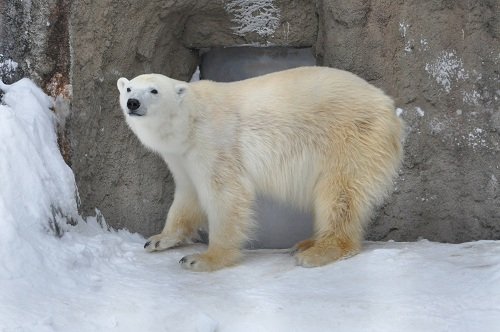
(90, 279)
(37, 189)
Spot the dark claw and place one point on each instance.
(157, 244)
(147, 244)
(183, 260)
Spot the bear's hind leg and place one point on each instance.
(338, 224)
(303, 245)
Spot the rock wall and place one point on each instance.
(34, 42)
(28, 29)
(439, 59)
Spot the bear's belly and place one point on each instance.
(289, 179)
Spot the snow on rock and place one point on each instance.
(196, 75)
(471, 97)
(259, 16)
(92, 279)
(37, 189)
(476, 138)
(447, 69)
(399, 111)
(7, 67)
(419, 111)
(403, 28)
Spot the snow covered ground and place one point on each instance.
(91, 279)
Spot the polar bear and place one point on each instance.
(320, 138)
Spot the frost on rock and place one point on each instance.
(476, 139)
(446, 69)
(471, 97)
(419, 111)
(7, 67)
(436, 126)
(424, 44)
(403, 28)
(259, 16)
(412, 43)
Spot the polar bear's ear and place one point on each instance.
(121, 83)
(180, 90)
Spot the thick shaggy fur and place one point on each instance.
(320, 138)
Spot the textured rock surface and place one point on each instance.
(28, 29)
(34, 42)
(439, 59)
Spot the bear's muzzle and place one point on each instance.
(133, 105)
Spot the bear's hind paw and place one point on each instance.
(317, 256)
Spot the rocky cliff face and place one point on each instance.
(438, 59)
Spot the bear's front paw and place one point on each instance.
(160, 242)
(210, 260)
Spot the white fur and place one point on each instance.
(316, 137)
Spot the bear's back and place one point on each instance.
(292, 122)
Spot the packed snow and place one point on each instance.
(88, 278)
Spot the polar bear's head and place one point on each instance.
(147, 96)
(153, 106)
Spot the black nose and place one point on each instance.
(133, 104)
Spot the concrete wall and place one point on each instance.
(439, 59)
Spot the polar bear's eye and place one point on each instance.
(154, 91)
(128, 89)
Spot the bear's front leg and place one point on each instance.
(184, 219)
(229, 222)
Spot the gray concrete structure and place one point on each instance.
(239, 63)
